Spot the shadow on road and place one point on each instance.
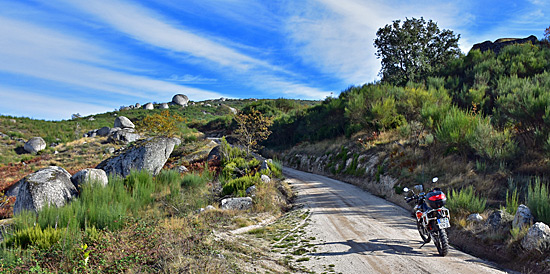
(391, 247)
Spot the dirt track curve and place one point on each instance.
(357, 232)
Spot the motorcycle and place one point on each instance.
(432, 218)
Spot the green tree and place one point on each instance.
(253, 128)
(162, 124)
(414, 50)
(547, 33)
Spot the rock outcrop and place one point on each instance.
(523, 217)
(90, 175)
(180, 99)
(502, 42)
(123, 122)
(51, 185)
(124, 136)
(237, 203)
(149, 155)
(35, 145)
(164, 106)
(149, 106)
(104, 131)
(537, 238)
(499, 219)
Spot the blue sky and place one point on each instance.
(59, 57)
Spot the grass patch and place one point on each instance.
(465, 201)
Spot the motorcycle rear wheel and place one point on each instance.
(441, 242)
(424, 234)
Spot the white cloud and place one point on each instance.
(45, 54)
(16, 102)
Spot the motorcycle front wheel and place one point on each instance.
(424, 234)
(441, 242)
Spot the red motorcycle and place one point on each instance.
(432, 218)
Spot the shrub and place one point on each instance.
(512, 201)
(538, 200)
(35, 236)
(492, 144)
(163, 124)
(238, 186)
(465, 201)
(194, 180)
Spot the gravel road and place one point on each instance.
(357, 232)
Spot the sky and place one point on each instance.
(61, 57)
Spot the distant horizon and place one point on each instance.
(64, 57)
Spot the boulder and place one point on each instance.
(149, 155)
(182, 169)
(476, 217)
(90, 174)
(149, 106)
(242, 203)
(164, 106)
(215, 154)
(523, 217)
(51, 185)
(264, 166)
(35, 145)
(180, 99)
(137, 106)
(265, 178)
(123, 136)
(502, 42)
(499, 219)
(251, 191)
(123, 122)
(104, 131)
(537, 238)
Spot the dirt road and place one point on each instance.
(356, 232)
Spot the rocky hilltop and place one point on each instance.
(498, 44)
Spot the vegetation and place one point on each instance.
(414, 50)
(162, 124)
(253, 128)
(465, 201)
(538, 200)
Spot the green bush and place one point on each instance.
(457, 128)
(538, 200)
(238, 186)
(512, 201)
(465, 201)
(194, 180)
(35, 236)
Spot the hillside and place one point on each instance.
(481, 125)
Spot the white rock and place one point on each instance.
(149, 106)
(537, 238)
(123, 122)
(180, 99)
(35, 145)
(90, 174)
(523, 217)
(476, 217)
(265, 179)
(237, 203)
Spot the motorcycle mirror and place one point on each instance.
(435, 179)
(406, 189)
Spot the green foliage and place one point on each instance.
(253, 129)
(465, 201)
(538, 200)
(512, 201)
(239, 185)
(162, 124)
(414, 50)
(35, 236)
(457, 128)
(194, 180)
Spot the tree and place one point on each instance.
(253, 128)
(414, 50)
(162, 124)
(547, 33)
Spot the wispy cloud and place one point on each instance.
(16, 102)
(45, 54)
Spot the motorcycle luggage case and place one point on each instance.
(436, 199)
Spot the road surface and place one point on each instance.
(357, 232)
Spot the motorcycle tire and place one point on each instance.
(442, 242)
(424, 234)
